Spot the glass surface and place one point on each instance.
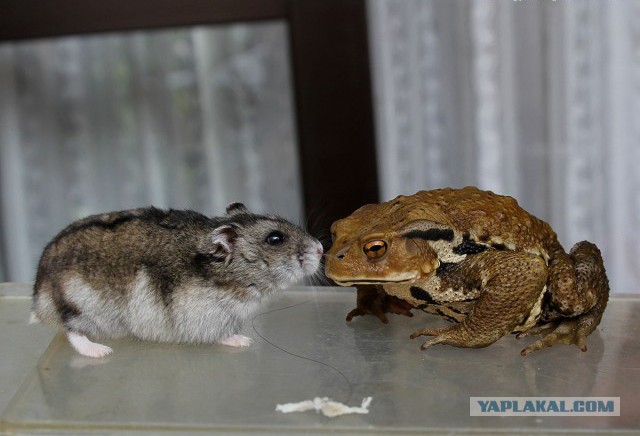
(184, 118)
(21, 344)
(304, 348)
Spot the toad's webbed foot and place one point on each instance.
(373, 300)
(456, 335)
(564, 331)
(440, 336)
(557, 332)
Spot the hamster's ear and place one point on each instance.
(224, 238)
(236, 209)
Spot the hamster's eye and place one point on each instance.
(375, 249)
(275, 238)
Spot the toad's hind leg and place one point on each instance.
(579, 291)
(511, 284)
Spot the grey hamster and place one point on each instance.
(167, 276)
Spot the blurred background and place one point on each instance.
(310, 109)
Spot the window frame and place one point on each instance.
(330, 71)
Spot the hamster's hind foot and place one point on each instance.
(236, 341)
(84, 346)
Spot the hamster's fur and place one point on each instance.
(167, 276)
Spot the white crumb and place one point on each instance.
(325, 405)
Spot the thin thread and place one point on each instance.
(346, 379)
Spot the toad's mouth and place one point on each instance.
(352, 282)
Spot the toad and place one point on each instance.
(475, 258)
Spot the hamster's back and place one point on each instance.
(106, 251)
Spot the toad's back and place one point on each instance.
(486, 217)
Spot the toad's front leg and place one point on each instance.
(511, 284)
(372, 299)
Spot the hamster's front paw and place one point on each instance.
(236, 341)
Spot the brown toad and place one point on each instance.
(475, 258)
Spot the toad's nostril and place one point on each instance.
(342, 253)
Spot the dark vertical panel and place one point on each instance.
(332, 83)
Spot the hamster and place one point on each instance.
(167, 276)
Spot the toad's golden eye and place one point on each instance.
(375, 249)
